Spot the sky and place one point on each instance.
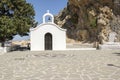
(41, 7)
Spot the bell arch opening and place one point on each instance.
(48, 19)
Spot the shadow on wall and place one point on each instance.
(19, 48)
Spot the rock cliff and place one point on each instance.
(90, 20)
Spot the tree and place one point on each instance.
(16, 17)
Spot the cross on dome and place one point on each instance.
(48, 11)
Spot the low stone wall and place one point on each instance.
(110, 46)
(1, 50)
(5, 49)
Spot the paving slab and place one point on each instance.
(61, 65)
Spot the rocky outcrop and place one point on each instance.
(90, 20)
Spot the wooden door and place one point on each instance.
(48, 41)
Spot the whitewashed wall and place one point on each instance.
(37, 37)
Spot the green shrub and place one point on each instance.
(93, 23)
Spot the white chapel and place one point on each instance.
(48, 35)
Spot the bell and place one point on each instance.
(49, 19)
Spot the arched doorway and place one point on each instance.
(48, 41)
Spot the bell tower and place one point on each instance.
(48, 17)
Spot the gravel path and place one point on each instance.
(60, 65)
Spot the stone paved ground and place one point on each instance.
(60, 65)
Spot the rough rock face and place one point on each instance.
(90, 20)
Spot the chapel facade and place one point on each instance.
(48, 35)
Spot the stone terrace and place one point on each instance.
(60, 65)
